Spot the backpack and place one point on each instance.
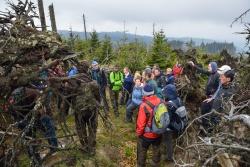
(160, 120)
(179, 119)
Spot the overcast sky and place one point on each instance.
(178, 18)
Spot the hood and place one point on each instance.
(171, 92)
(214, 66)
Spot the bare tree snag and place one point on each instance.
(52, 18)
(41, 14)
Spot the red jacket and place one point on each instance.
(177, 70)
(142, 119)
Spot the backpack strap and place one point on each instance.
(149, 104)
(148, 127)
(172, 103)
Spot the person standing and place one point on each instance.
(127, 87)
(99, 76)
(116, 81)
(144, 120)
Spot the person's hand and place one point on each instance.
(208, 100)
(191, 63)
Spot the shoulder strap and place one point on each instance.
(172, 103)
(149, 104)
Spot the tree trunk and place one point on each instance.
(52, 18)
(41, 14)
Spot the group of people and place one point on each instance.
(154, 87)
(141, 93)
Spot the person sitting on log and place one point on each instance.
(223, 93)
(211, 86)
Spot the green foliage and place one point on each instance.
(94, 41)
(131, 55)
(106, 50)
(161, 52)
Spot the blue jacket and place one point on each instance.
(169, 79)
(137, 95)
(72, 71)
(128, 83)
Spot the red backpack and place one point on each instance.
(177, 70)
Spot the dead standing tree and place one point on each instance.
(52, 18)
(41, 14)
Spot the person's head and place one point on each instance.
(227, 77)
(223, 69)
(171, 92)
(157, 72)
(148, 70)
(148, 90)
(148, 76)
(116, 68)
(138, 81)
(126, 70)
(84, 66)
(212, 67)
(155, 66)
(137, 75)
(94, 65)
(169, 71)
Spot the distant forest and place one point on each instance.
(214, 47)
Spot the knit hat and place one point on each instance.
(213, 66)
(148, 90)
(223, 69)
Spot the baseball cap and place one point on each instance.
(223, 69)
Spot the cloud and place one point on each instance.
(196, 18)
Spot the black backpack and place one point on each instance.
(178, 118)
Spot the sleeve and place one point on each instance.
(122, 77)
(216, 93)
(141, 121)
(201, 70)
(119, 83)
(111, 78)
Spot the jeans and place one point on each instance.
(142, 148)
(129, 110)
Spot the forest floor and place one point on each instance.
(116, 147)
